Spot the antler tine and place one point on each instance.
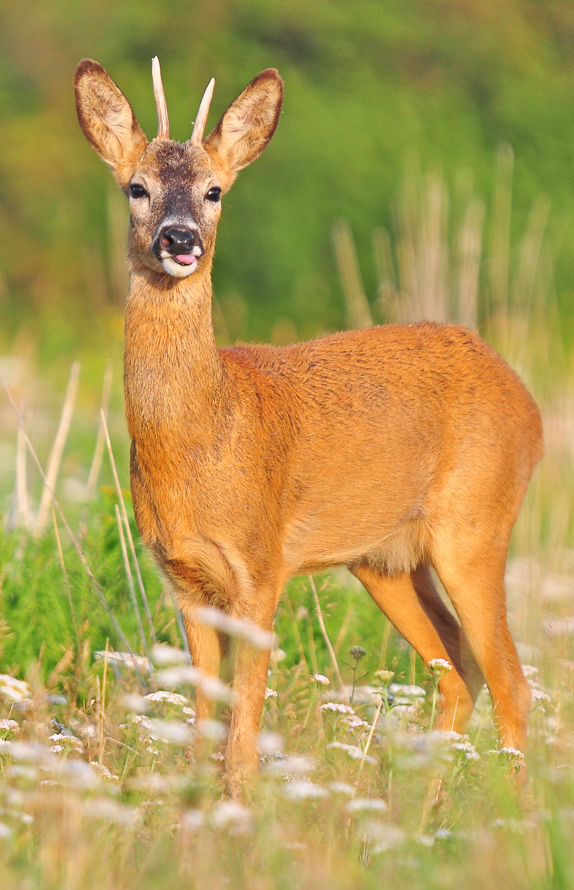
(161, 104)
(201, 119)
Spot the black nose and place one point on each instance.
(176, 240)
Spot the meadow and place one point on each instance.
(105, 780)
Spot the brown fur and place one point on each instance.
(388, 450)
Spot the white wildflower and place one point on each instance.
(239, 628)
(355, 722)
(30, 752)
(134, 702)
(124, 659)
(383, 836)
(405, 690)
(292, 766)
(214, 730)
(55, 749)
(277, 656)
(69, 739)
(182, 675)
(444, 736)
(270, 693)
(216, 690)
(101, 770)
(538, 694)
(301, 790)
(270, 743)
(425, 840)
(162, 654)
(192, 820)
(232, 816)
(439, 667)
(367, 805)
(529, 671)
(342, 788)
(353, 751)
(9, 726)
(169, 731)
(321, 680)
(5, 832)
(13, 689)
(109, 811)
(512, 754)
(385, 675)
(468, 749)
(337, 708)
(444, 834)
(75, 773)
(87, 731)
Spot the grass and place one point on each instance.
(99, 786)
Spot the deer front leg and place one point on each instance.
(206, 647)
(249, 685)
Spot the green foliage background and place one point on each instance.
(368, 85)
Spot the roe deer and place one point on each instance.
(389, 450)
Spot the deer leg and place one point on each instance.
(207, 647)
(411, 602)
(476, 588)
(249, 685)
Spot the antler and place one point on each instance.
(161, 104)
(201, 119)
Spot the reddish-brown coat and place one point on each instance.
(389, 450)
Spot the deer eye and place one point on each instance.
(214, 194)
(138, 191)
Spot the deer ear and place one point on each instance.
(108, 121)
(247, 126)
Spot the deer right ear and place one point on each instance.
(108, 121)
(247, 126)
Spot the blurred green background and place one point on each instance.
(372, 88)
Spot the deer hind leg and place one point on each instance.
(474, 582)
(411, 602)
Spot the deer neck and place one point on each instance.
(173, 376)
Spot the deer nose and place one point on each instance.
(178, 240)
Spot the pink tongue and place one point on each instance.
(186, 258)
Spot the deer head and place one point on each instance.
(174, 188)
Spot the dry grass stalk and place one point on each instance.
(127, 526)
(470, 255)
(22, 504)
(73, 539)
(500, 234)
(66, 583)
(55, 458)
(358, 311)
(327, 640)
(101, 439)
(131, 581)
(422, 250)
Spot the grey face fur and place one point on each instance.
(176, 180)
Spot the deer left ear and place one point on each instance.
(247, 126)
(108, 121)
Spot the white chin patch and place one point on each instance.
(172, 267)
